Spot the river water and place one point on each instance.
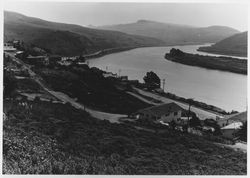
(223, 89)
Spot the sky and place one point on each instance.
(86, 13)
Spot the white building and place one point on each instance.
(162, 113)
(238, 117)
(230, 130)
(109, 75)
(9, 47)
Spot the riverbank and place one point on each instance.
(210, 62)
(106, 52)
(205, 110)
(212, 50)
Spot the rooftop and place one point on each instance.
(235, 125)
(242, 116)
(162, 109)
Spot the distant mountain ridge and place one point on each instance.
(68, 39)
(173, 34)
(233, 45)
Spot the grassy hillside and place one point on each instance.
(43, 137)
(67, 39)
(58, 139)
(173, 33)
(233, 45)
(90, 88)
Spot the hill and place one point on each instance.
(67, 39)
(173, 34)
(48, 136)
(233, 45)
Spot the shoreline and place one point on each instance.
(203, 49)
(198, 104)
(108, 51)
(201, 105)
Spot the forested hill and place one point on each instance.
(234, 45)
(68, 39)
(174, 34)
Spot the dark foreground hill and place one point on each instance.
(67, 39)
(233, 45)
(173, 34)
(52, 138)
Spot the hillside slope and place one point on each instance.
(67, 39)
(174, 33)
(233, 45)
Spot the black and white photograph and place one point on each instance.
(124, 88)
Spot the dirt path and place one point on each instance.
(113, 118)
(237, 146)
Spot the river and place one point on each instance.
(223, 89)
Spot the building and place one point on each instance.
(72, 58)
(164, 113)
(19, 54)
(123, 78)
(109, 75)
(9, 47)
(230, 130)
(238, 117)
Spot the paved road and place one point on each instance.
(202, 114)
(113, 118)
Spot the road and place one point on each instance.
(202, 114)
(113, 118)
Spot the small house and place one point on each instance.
(109, 75)
(238, 117)
(165, 113)
(9, 47)
(230, 130)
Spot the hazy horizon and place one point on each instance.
(99, 14)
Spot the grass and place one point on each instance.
(90, 88)
(41, 137)
(52, 138)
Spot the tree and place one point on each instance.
(152, 80)
(242, 133)
(195, 121)
(214, 124)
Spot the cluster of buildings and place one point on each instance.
(169, 112)
(11, 46)
(43, 58)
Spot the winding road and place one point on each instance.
(202, 114)
(113, 118)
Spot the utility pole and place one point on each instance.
(189, 103)
(119, 72)
(163, 84)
